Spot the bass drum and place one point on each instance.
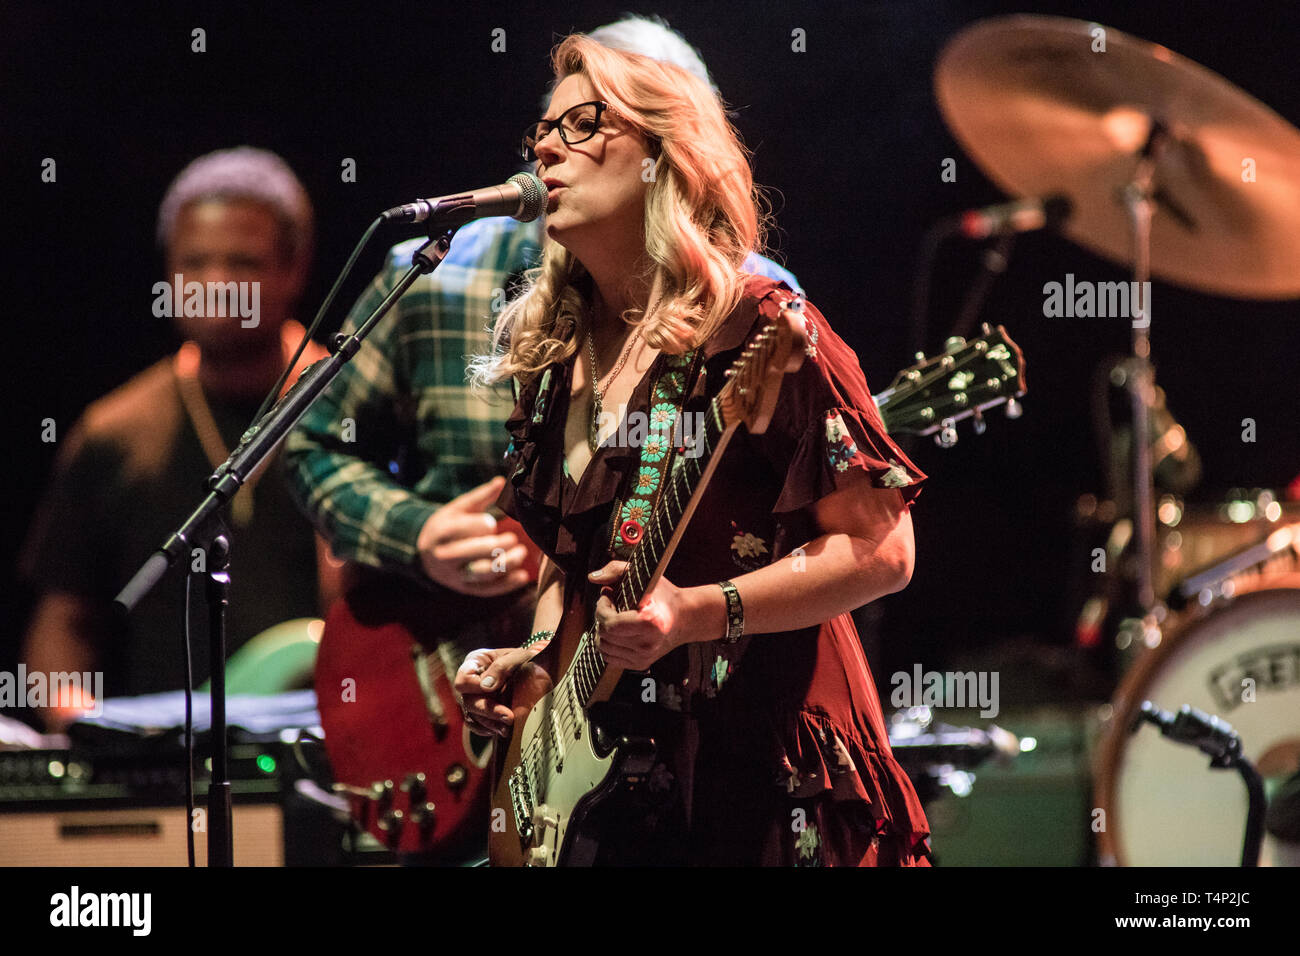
(1164, 805)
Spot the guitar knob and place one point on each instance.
(947, 435)
(1014, 409)
(414, 787)
(424, 816)
(391, 822)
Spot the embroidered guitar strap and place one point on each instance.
(664, 437)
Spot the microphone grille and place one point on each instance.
(532, 196)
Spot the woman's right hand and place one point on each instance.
(484, 677)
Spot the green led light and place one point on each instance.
(1239, 512)
(266, 763)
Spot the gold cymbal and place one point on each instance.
(1042, 109)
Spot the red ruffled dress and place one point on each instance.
(771, 751)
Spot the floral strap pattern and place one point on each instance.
(632, 512)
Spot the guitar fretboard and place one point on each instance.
(680, 485)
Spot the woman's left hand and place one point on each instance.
(669, 616)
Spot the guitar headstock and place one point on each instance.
(965, 381)
(754, 379)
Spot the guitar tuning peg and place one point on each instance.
(1014, 409)
(920, 357)
(979, 423)
(954, 343)
(947, 435)
(986, 329)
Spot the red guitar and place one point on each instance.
(394, 731)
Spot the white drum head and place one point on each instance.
(1165, 805)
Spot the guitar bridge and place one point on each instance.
(521, 799)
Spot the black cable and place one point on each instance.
(922, 280)
(994, 260)
(189, 728)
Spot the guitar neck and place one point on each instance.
(683, 485)
(749, 396)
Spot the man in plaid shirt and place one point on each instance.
(398, 462)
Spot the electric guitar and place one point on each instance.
(397, 740)
(562, 764)
(967, 380)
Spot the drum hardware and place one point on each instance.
(1203, 553)
(1238, 657)
(1220, 581)
(1122, 136)
(1217, 740)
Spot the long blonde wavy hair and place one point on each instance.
(703, 216)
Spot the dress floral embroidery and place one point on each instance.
(843, 759)
(539, 410)
(748, 545)
(789, 776)
(840, 447)
(896, 477)
(670, 697)
(747, 549)
(808, 843)
(721, 670)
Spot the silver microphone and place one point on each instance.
(522, 197)
(1022, 215)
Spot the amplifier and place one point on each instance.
(126, 807)
(153, 836)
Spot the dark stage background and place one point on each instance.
(847, 134)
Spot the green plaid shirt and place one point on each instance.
(399, 433)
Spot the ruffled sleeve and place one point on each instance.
(526, 425)
(826, 425)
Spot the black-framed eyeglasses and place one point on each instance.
(577, 124)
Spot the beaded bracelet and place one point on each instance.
(536, 638)
(735, 613)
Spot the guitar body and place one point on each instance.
(398, 744)
(550, 782)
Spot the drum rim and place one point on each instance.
(1128, 696)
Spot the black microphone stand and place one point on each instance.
(204, 528)
(1218, 741)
